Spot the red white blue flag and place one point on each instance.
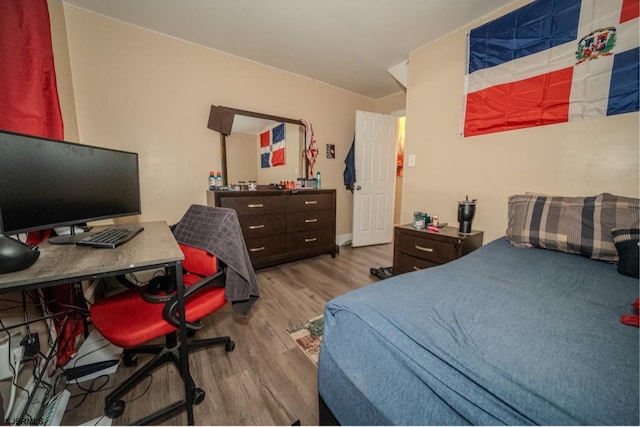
(552, 61)
(272, 147)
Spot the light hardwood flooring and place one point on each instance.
(266, 380)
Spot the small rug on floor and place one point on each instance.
(308, 337)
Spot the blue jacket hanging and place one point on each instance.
(349, 173)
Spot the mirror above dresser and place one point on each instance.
(242, 158)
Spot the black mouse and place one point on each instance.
(15, 255)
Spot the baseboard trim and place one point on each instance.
(343, 239)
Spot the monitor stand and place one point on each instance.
(71, 238)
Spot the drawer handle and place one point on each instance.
(258, 205)
(257, 249)
(311, 220)
(255, 227)
(313, 239)
(310, 202)
(420, 248)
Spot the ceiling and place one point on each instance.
(349, 44)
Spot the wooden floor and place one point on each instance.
(267, 380)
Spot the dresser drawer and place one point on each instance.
(312, 220)
(253, 205)
(308, 240)
(262, 225)
(408, 263)
(309, 202)
(266, 247)
(428, 249)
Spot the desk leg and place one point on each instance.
(188, 392)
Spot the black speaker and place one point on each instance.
(15, 255)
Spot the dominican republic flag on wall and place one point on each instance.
(272, 146)
(552, 61)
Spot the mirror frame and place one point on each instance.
(223, 137)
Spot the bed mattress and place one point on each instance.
(501, 336)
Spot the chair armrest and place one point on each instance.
(169, 313)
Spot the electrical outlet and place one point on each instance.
(31, 344)
(412, 160)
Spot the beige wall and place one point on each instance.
(141, 91)
(578, 158)
(392, 103)
(240, 148)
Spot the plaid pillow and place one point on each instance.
(579, 225)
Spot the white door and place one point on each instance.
(375, 160)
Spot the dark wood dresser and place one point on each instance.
(415, 249)
(282, 225)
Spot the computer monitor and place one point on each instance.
(46, 183)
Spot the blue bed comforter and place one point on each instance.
(501, 336)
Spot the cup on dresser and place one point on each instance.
(466, 211)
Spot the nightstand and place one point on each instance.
(415, 249)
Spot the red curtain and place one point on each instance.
(29, 104)
(28, 93)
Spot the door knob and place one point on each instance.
(358, 187)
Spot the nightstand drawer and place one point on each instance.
(417, 249)
(408, 263)
(433, 250)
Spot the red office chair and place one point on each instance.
(128, 320)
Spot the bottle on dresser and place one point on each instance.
(212, 180)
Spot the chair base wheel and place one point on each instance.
(115, 409)
(129, 359)
(230, 346)
(198, 396)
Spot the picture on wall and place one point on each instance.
(331, 151)
(552, 61)
(272, 147)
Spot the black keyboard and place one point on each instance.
(111, 237)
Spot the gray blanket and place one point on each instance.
(218, 231)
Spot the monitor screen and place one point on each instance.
(46, 183)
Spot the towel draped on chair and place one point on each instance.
(217, 230)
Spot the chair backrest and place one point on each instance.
(198, 261)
